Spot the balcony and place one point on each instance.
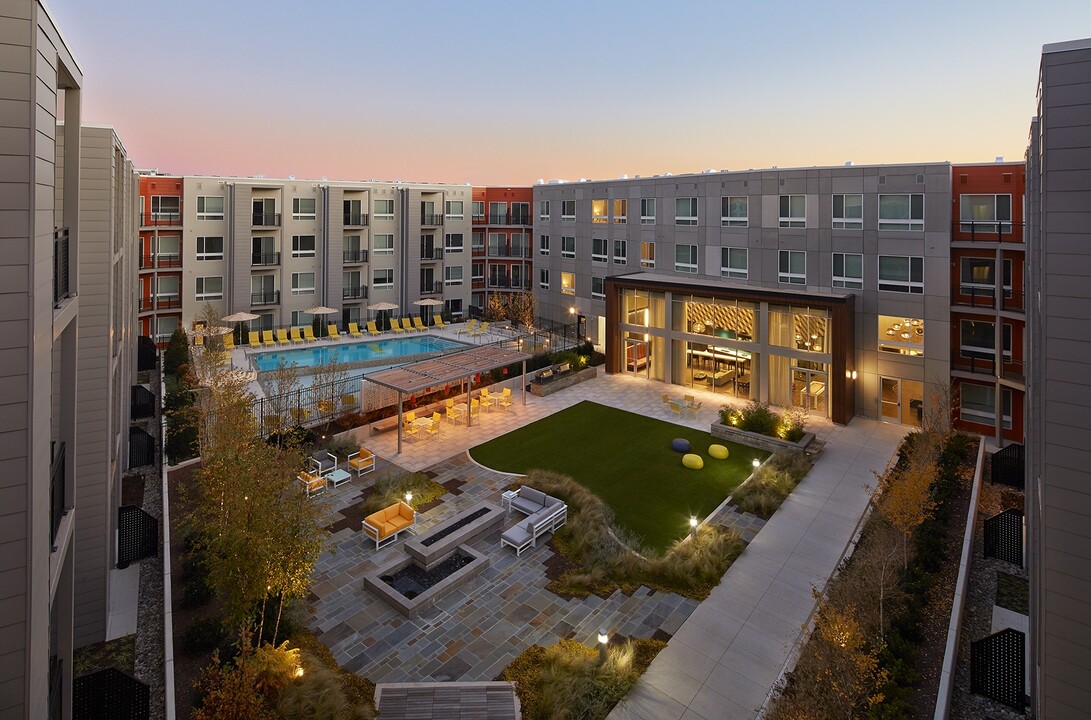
(1013, 302)
(352, 257)
(987, 231)
(478, 219)
(146, 304)
(430, 220)
(477, 250)
(431, 253)
(168, 302)
(431, 288)
(60, 265)
(58, 506)
(979, 297)
(265, 298)
(355, 220)
(264, 259)
(263, 220)
(509, 219)
(514, 251)
(477, 283)
(501, 282)
(354, 292)
(168, 260)
(160, 219)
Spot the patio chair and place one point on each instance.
(693, 408)
(407, 324)
(354, 330)
(395, 326)
(481, 330)
(419, 324)
(689, 399)
(295, 336)
(362, 461)
(434, 427)
(267, 338)
(348, 401)
(333, 331)
(453, 413)
(371, 329)
(308, 334)
(469, 327)
(676, 408)
(282, 337)
(474, 408)
(255, 339)
(229, 342)
(505, 398)
(410, 430)
(486, 399)
(438, 320)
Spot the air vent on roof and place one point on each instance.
(882, 179)
(1007, 178)
(920, 178)
(963, 179)
(849, 163)
(1000, 158)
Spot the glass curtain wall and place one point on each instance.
(720, 361)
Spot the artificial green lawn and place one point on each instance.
(627, 460)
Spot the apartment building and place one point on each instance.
(1058, 498)
(39, 364)
(277, 248)
(501, 243)
(811, 287)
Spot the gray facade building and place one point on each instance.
(1059, 383)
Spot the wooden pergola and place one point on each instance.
(455, 367)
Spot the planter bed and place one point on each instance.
(765, 442)
(542, 388)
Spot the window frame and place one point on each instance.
(689, 220)
(599, 294)
(645, 260)
(620, 258)
(600, 250)
(645, 218)
(477, 210)
(449, 246)
(543, 244)
(910, 286)
(160, 213)
(297, 289)
(790, 219)
(568, 253)
(567, 205)
(597, 217)
(204, 254)
(842, 221)
(692, 267)
(619, 211)
(382, 285)
(203, 213)
(448, 206)
(201, 293)
(543, 210)
(299, 214)
(842, 280)
(543, 278)
(453, 281)
(969, 225)
(910, 224)
(376, 249)
(729, 220)
(569, 289)
(383, 215)
(789, 276)
(731, 271)
(300, 253)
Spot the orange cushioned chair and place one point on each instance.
(384, 526)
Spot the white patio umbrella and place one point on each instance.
(382, 307)
(210, 331)
(321, 310)
(427, 302)
(241, 318)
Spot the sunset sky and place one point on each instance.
(510, 92)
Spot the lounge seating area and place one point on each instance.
(385, 525)
(545, 514)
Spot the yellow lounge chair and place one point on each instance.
(267, 338)
(454, 414)
(229, 342)
(407, 324)
(333, 331)
(282, 336)
(354, 330)
(371, 329)
(438, 320)
(470, 326)
(296, 337)
(255, 339)
(484, 328)
(395, 325)
(308, 334)
(419, 324)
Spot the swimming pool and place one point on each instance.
(363, 351)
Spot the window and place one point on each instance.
(303, 208)
(382, 244)
(978, 276)
(568, 283)
(901, 212)
(848, 212)
(166, 207)
(453, 242)
(303, 283)
(848, 270)
(978, 339)
(210, 248)
(598, 211)
(598, 287)
(520, 213)
(477, 242)
(301, 319)
(543, 244)
(517, 277)
(598, 250)
(621, 252)
(302, 246)
(685, 211)
(477, 208)
(685, 258)
(452, 275)
(901, 335)
(898, 273)
(980, 213)
(520, 245)
(793, 267)
(453, 209)
(734, 211)
(647, 254)
(733, 263)
(568, 246)
(210, 207)
(978, 404)
(210, 288)
(793, 211)
(543, 210)
(568, 211)
(453, 307)
(621, 211)
(383, 279)
(165, 327)
(498, 244)
(543, 278)
(498, 213)
(384, 209)
(647, 211)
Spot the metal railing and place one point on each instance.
(354, 292)
(431, 253)
(974, 297)
(1013, 301)
(433, 288)
(60, 265)
(168, 302)
(987, 231)
(272, 258)
(147, 261)
(168, 260)
(355, 219)
(431, 219)
(265, 298)
(509, 219)
(157, 219)
(146, 304)
(513, 251)
(57, 491)
(265, 220)
(354, 256)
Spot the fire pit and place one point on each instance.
(409, 588)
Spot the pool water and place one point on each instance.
(365, 350)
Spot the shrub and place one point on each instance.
(318, 695)
(758, 417)
(203, 634)
(195, 588)
(772, 483)
(391, 489)
(177, 353)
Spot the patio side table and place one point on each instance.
(506, 499)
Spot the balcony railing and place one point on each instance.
(168, 302)
(168, 260)
(354, 292)
(513, 251)
(58, 505)
(265, 298)
(60, 265)
(477, 283)
(478, 219)
(974, 297)
(160, 219)
(354, 256)
(355, 219)
(431, 253)
(272, 258)
(146, 304)
(147, 262)
(431, 219)
(477, 250)
(265, 220)
(1013, 302)
(431, 288)
(509, 219)
(987, 231)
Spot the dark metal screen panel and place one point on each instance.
(1009, 466)
(145, 353)
(141, 448)
(137, 535)
(1004, 536)
(997, 666)
(142, 402)
(109, 695)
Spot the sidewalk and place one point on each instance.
(725, 658)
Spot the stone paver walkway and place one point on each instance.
(725, 658)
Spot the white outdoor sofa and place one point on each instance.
(545, 514)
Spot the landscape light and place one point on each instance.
(603, 640)
(408, 498)
(757, 462)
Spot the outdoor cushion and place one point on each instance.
(693, 462)
(681, 445)
(517, 534)
(530, 494)
(525, 506)
(718, 451)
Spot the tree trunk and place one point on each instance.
(276, 628)
(261, 624)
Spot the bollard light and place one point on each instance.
(692, 524)
(604, 640)
(756, 463)
(408, 498)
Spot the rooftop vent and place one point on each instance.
(999, 158)
(850, 163)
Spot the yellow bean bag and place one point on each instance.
(718, 451)
(692, 461)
